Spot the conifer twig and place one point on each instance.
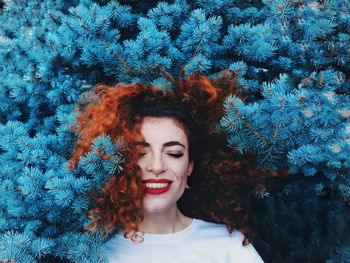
(167, 74)
(129, 71)
(19, 4)
(275, 133)
(319, 82)
(248, 124)
(194, 55)
(28, 145)
(123, 61)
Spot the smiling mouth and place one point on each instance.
(157, 185)
(156, 188)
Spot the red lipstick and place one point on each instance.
(159, 190)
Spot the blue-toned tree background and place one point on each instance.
(292, 59)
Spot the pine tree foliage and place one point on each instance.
(292, 59)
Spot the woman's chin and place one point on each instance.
(151, 207)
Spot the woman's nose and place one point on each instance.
(156, 165)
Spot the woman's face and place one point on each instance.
(164, 163)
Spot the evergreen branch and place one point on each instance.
(197, 48)
(275, 133)
(120, 70)
(319, 82)
(307, 79)
(167, 74)
(129, 71)
(248, 124)
(292, 134)
(78, 16)
(193, 56)
(230, 123)
(69, 26)
(124, 62)
(54, 19)
(27, 144)
(19, 4)
(55, 187)
(268, 153)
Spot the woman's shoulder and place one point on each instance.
(114, 240)
(219, 230)
(199, 229)
(202, 239)
(218, 236)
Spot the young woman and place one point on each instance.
(179, 197)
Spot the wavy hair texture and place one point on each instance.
(220, 180)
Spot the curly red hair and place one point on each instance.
(220, 179)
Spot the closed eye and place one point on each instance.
(176, 155)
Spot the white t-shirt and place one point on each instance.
(201, 242)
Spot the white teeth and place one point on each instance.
(157, 185)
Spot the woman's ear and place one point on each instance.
(190, 168)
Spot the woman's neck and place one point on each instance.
(164, 223)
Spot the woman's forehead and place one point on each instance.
(155, 120)
(162, 130)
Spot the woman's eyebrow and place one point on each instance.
(167, 144)
(172, 143)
